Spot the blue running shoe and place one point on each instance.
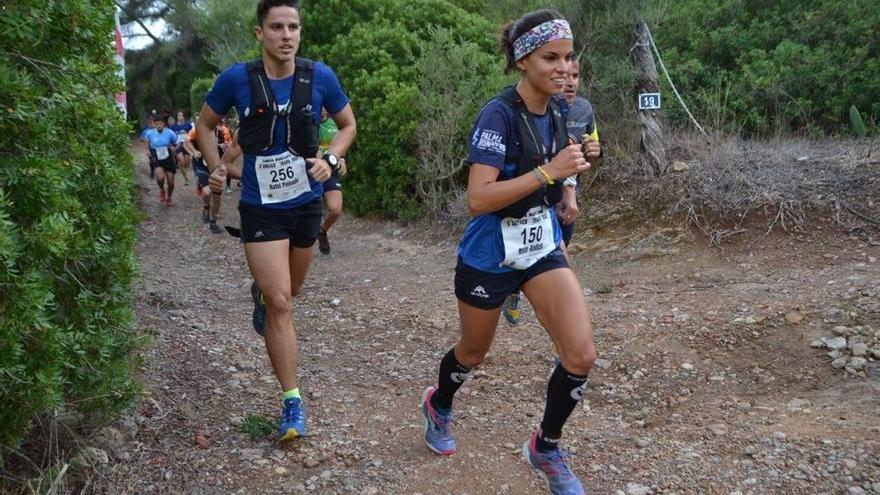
(511, 310)
(293, 419)
(259, 315)
(437, 424)
(551, 466)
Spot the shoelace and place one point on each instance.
(292, 413)
(442, 421)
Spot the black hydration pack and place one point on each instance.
(256, 132)
(532, 152)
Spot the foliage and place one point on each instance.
(226, 26)
(257, 426)
(782, 66)
(855, 120)
(450, 98)
(67, 217)
(197, 93)
(375, 49)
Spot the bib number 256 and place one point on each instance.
(281, 175)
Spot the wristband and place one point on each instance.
(546, 175)
(539, 176)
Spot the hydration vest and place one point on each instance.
(256, 132)
(532, 151)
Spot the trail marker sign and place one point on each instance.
(649, 101)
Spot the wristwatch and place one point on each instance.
(331, 160)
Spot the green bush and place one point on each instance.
(782, 66)
(375, 48)
(67, 216)
(197, 93)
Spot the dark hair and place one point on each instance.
(514, 29)
(264, 6)
(157, 118)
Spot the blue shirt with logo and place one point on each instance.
(495, 135)
(233, 89)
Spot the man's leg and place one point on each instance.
(271, 268)
(333, 201)
(160, 180)
(215, 211)
(169, 176)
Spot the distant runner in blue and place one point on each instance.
(279, 99)
(161, 141)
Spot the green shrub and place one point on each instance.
(375, 47)
(197, 93)
(67, 216)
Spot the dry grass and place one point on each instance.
(730, 185)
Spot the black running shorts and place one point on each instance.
(300, 225)
(170, 165)
(200, 169)
(333, 183)
(486, 290)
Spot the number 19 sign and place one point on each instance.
(649, 101)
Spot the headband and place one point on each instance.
(531, 40)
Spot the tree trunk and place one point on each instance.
(653, 153)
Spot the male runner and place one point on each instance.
(280, 202)
(161, 142)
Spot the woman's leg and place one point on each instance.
(560, 307)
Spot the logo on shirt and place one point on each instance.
(487, 140)
(479, 291)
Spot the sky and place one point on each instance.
(133, 37)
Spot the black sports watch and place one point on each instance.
(331, 160)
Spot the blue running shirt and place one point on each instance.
(233, 89)
(494, 134)
(157, 140)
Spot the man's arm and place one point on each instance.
(205, 128)
(347, 126)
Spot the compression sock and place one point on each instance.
(452, 375)
(563, 393)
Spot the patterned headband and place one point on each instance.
(531, 40)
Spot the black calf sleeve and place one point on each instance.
(563, 393)
(452, 375)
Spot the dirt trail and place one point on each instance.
(704, 384)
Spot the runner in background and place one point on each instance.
(181, 127)
(333, 187)
(161, 143)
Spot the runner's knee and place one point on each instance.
(277, 301)
(579, 359)
(471, 358)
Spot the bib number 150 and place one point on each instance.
(532, 234)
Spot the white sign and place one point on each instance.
(649, 101)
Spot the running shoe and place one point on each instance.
(228, 190)
(162, 195)
(168, 202)
(511, 310)
(259, 315)
(215, 229)
(437, 425)
(551, 466)
(293, 419)
(323, 242)
(206, 215)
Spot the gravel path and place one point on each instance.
(707, 381)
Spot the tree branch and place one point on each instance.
(140, 23)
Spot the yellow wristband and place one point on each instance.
(546, 175)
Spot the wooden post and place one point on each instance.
(653, 152)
